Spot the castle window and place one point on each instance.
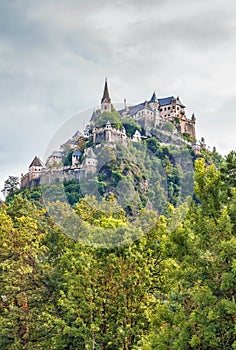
(160, 109)
(173, 107)
(177, 108)
(165, 108)
(168, 107)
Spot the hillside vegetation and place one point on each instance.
(171, 286)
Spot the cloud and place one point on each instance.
(54, 57)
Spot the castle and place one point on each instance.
(152, 117)
(151, 114)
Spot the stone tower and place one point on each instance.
(106, 101)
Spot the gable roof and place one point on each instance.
(36, 162)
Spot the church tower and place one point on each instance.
(106, 101)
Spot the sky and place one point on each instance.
(55, 55)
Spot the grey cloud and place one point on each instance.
(54, 56)
(196, 31)
(16, 29)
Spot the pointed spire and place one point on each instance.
(154, 97)
(106, 97)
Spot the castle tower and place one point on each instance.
(154, 101)
(106, 101)
(34, 175)
(36, 166)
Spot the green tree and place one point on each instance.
(198, 311)
(112, 117)
(10, 185)
(130, 125)
(29, 314)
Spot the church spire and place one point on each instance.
(106, 100)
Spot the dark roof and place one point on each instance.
(36, 162)
(168, 100)
(106, 97)
(165, 101)
(153, 98)
(132, 110)
(76, 153)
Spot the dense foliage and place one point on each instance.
(173, 288)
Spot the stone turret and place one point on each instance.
(32, 178)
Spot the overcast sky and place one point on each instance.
(54, 56)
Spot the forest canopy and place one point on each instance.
(172, 288)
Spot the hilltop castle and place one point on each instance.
(152, 116)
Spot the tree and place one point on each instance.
(107, 294)
(10, 185)
(29, 314)
(198, 310)
(228, 169)
(130, 125)
(112, 117)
